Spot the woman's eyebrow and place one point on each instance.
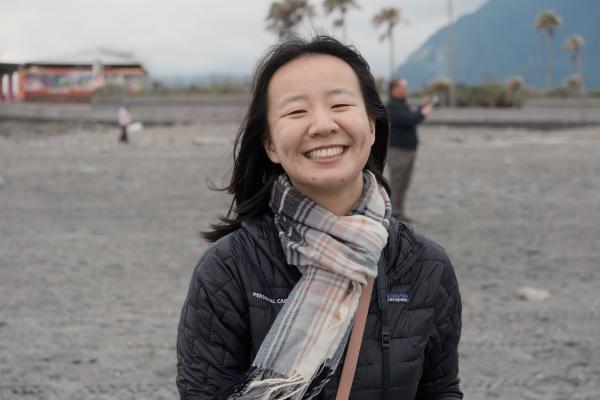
(334, 92)
(291, 99)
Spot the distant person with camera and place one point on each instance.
(403, 141)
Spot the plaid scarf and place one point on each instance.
(336, 256)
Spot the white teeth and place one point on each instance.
(325, 153)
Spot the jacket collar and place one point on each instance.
(264, 233)
(402, 250)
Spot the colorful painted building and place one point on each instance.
(10, 77)
(73, 77)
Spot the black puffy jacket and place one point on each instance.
(403, 124)
(240, 285)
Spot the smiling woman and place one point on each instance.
(319, 130)
(274, 303)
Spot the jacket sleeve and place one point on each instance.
(405, 116)
(440, 370)
(212, 347)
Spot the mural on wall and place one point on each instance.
(80, 80)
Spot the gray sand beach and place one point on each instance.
(99, 241)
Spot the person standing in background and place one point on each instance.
(403, 141)
(124, 117)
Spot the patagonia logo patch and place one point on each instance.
(398, 298)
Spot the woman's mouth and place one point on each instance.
(325, 152)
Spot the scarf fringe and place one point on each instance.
(318, 381)
(241, 390)
(260, 384)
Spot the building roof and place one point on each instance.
(7, 68)
(98, 55)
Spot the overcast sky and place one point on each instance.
(197, 36)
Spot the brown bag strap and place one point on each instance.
(354, 343)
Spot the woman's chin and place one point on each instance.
(326, 182)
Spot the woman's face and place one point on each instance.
(319, 130)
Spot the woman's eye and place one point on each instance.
(341, 105)
(296, 112)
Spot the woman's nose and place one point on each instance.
(322, 123)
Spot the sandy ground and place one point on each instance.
(99, 241)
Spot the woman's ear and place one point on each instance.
(270, 149)
(372, 130)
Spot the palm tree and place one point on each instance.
(548, 21)
(574, 85)
(574, 43)
(285, 15)
(342, 6)
(390, 17)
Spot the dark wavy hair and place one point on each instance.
(253, 172)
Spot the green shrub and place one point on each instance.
(490, 95)
(594, 94)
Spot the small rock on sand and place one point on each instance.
(532, 294)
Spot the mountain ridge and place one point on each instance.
(499, 40)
